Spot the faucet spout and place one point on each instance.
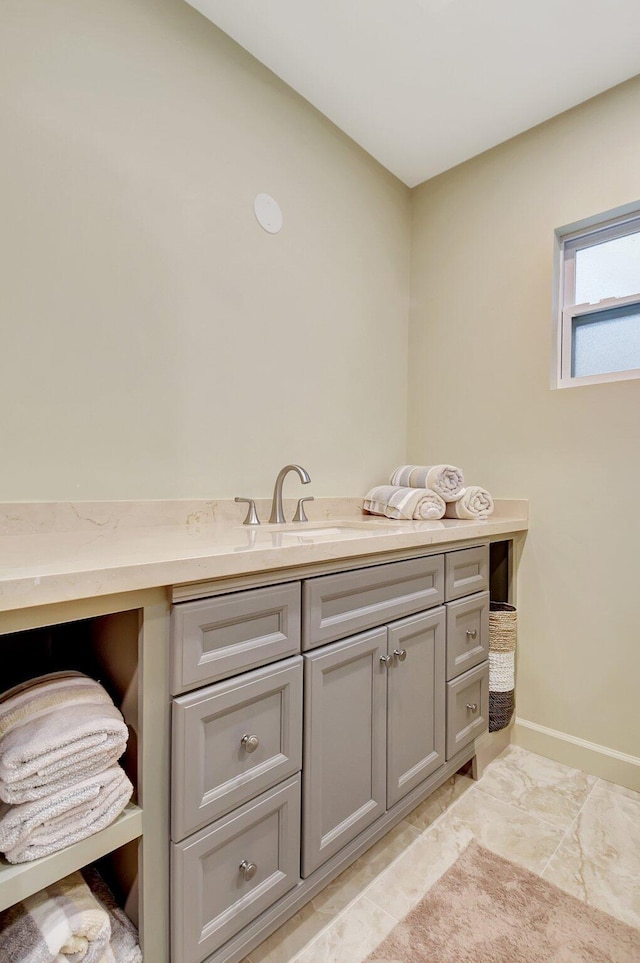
(277, 513)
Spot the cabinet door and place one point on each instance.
(416, 702)
(344, 743)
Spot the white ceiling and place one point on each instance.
(425, 84)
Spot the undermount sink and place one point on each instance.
(340, 530)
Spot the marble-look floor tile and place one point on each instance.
(599, 859)
(622, 790)
(537, 785)
(439, 801)
(352, 937)
(505, 830)
(305, 925)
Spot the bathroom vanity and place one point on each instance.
(292, 693)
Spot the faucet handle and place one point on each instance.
(252, 515)
(300, 515)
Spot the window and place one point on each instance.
(599, 301)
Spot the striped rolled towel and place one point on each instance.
(44, 826)
(393, 501)
(446, 480)
(62, 922)
(473, 502)
(52, 728)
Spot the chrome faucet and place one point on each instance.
(277, 514)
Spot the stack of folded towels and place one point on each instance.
(60, 739)
(75, 919)
(426, 492)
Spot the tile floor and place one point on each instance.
(579, 832)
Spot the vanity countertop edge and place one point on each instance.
(114, 548)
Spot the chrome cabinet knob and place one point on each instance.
(248, 869)
(249, 742)
(472, 706)
(385, 660)
(472, 633)
(400, 654)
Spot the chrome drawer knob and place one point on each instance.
(400, 654)
(385, 660)
(248, 869)
(471, 633)
(472, 706)
(249, 743)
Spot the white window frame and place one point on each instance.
(569, 239)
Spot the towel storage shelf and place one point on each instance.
(24, 879)
(105, 646)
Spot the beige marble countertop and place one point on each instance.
(56, 552)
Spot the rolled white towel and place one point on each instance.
(55, 727)
(446, 480)
(44, 826)
(393, 501)
(62, 922)
(474, 502)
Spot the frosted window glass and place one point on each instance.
(608, 270)
(606, 341)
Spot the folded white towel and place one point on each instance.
(53, 730)
(62, 922)
(474, 502)
(124, 941)
(446, 480)
(44, 826)
(397, 502)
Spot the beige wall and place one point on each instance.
(480, 346)
(155, 341)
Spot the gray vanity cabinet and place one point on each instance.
(344, 769)
(287, 763)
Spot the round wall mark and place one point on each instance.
(268, 213)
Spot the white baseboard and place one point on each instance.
(598, 760)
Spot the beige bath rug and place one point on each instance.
(488, 910)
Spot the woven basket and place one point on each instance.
(503, 627)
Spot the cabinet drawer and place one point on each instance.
(215, 765)
(467, 633)
(212, 898)
(216, 638)
(467, 708)
(466, 571)
(335, 606)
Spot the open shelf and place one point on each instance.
(24, 879)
